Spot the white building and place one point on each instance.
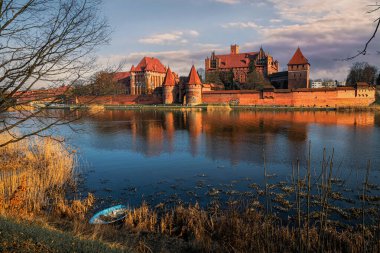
(316, 84)
(329, 84)
(341, 83)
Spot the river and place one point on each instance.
(154, 156)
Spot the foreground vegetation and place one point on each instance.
(24, 237)
(296, 216)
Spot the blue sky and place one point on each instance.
(181, 32)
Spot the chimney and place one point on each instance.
(234, 49)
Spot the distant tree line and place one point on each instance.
(363, 72)
(100, 84)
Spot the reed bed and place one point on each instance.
(32, 172)
(311, 213)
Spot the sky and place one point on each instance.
(184, 32)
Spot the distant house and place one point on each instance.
(317, 84)
(330, 84)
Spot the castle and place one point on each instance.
(240, 64)
(153, 83)
(148, 75)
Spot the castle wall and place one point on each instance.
(337, 97)
(334, 97)
(119, 100)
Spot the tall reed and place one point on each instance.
(31, 171)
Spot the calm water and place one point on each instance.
(132, 156)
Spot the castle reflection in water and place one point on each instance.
(233, 135)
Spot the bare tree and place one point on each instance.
(375, 8)
(46, 42)
(362, 72)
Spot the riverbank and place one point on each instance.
(23, 236)
(205, 107)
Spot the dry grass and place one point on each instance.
(19, 108)
(96, 108)
(32, 172)
(222, 107)
(245, 230)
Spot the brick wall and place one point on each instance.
(120, 100)
(336, 97)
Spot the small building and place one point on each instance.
(330, 84)
(342, 83)
(316, 84)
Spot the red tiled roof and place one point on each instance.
(194, 77)
(235, 60)
(169, 78)
(298, 58)
(150, 64)
(121, 75)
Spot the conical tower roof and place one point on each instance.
(298, 58)
(194, 77)
(169, 78)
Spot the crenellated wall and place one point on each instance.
(336, 97)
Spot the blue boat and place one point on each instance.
(110, 215)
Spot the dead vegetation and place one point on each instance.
(33, 172)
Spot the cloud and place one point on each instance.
(242, 25)
(275, 21)
(325, 30)
(169, 38)
(179, 61)
(227, 1)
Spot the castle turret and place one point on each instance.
(168, 87)
(193, 88)
(298, 71)
(133, 81)
(235, 49)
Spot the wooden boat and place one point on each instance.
(110, 215)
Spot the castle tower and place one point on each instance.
(168, 88)
(235, 49)
(298, 71)
(133, 81)
(193, 88)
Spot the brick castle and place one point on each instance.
(150, 82)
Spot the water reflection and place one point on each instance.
(233, 135)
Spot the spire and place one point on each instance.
(194, 77)
(169, 78)
(298, 58)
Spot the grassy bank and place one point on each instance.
(24, 237)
